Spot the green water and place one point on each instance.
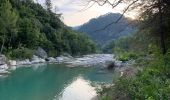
(52, 82)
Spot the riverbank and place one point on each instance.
(101, 60)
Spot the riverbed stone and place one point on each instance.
(3, 59)
(51, 59)
(24, 62)
(12, 63)
(4, 67)
(36, 59)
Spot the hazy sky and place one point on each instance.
(73, 15)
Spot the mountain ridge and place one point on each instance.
(122, 28)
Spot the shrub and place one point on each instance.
(127, 56)
(21, 53)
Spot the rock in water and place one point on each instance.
(4, 67)
(3, 59)
(41, 53)
(111, 66)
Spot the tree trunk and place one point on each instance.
(161, 32)
(2, 46)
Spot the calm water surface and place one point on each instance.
(52, 82)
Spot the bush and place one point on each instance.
(153, 83)
(127, 56)
(21, 53)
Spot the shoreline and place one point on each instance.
(101, 60)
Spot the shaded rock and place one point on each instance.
(3, 59)
(111, 66)
(41, 53)
(67, 55)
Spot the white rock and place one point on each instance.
(63, 59)
(3, 59)
(51, 59)
(12, 63)
(4, 67)
(36, 59)
(24, 62)
(91, 60)
(118, 63)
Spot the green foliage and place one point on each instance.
(8, 28)
(28, 25)
(152, 83)
(127, 56)
(21, 53)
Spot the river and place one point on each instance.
(53, 82)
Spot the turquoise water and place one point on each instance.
(52, 82)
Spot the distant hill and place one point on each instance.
(114, 31)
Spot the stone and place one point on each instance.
(111, 66)
(3, 59)
(12, 63)
(118, 63)
(24, 62)
(51, 59)
(41, 53)
(35, 59)
(4, 67)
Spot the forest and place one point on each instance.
(26, 25)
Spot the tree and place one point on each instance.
(8, 20)
(48, 5)
(150, 9)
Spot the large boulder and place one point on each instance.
(41, 53)
(3, 59)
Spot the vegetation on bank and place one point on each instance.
(26, 25)
(151, 53)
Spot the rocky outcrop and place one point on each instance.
(41, 53)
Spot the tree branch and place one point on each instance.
(118, 18)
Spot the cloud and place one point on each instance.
(73, 16)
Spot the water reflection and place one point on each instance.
(79, 89)
(46, 82)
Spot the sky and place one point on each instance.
(75, 12)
